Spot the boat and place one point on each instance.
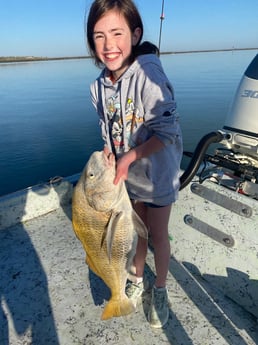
(48, 295)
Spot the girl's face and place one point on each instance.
(113, 42)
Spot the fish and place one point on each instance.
(105, 222)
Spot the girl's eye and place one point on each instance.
(97, 37)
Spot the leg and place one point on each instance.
(157, 220)
(142, 245)
(158, 227)
(135, 288)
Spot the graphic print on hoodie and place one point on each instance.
(116, 126)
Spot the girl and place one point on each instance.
(139, 123)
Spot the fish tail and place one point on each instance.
(115, 308)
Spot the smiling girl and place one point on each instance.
(139, 124)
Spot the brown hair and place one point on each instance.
(99, 7)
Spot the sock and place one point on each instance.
(138, 280)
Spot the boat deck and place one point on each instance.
(48, 295)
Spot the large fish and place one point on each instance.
(108, 227)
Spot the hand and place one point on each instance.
(122, 167)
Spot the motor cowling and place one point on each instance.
(241, 123)
(239, 136)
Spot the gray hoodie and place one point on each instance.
(139, 105)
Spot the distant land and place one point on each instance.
(5, 59)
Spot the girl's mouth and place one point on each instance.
(111, 56)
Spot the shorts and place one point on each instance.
(149, 204)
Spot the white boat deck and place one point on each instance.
(48, 295)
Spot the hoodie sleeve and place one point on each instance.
(160, 115)
(96, 101)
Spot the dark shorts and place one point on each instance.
(149, 204)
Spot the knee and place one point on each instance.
(159, 237)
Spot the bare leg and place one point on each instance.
(158, 228)
(156, 221)
(142, 245)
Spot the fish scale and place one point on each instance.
(108, 227)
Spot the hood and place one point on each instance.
(139, 62)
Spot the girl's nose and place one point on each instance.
(108, 43)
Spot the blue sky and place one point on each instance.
(55, 28)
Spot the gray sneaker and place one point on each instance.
(159, 311)
(134, 291)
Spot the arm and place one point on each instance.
(159, 118)
(151, 146)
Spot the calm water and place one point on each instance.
(49, 128)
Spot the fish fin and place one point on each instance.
(111, 229)
(104, 235)
(139, 226)
(91, 265)
(107, 227)
(115, 308)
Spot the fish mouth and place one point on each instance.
(109, 159)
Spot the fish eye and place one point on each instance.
(91, 176)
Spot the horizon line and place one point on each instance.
(30, 58)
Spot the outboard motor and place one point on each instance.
(238, 156)
(242, 121)
(217, 215)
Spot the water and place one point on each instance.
(49, 128)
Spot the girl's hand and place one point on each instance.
(122, 167)
(150, 146)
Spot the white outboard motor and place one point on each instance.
(242, 121)
(239, 137)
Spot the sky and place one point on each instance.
(55, 28)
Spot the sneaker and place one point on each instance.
(159, 311)
(134, 291)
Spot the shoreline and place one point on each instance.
(10, 59)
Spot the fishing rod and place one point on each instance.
(162, 17)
